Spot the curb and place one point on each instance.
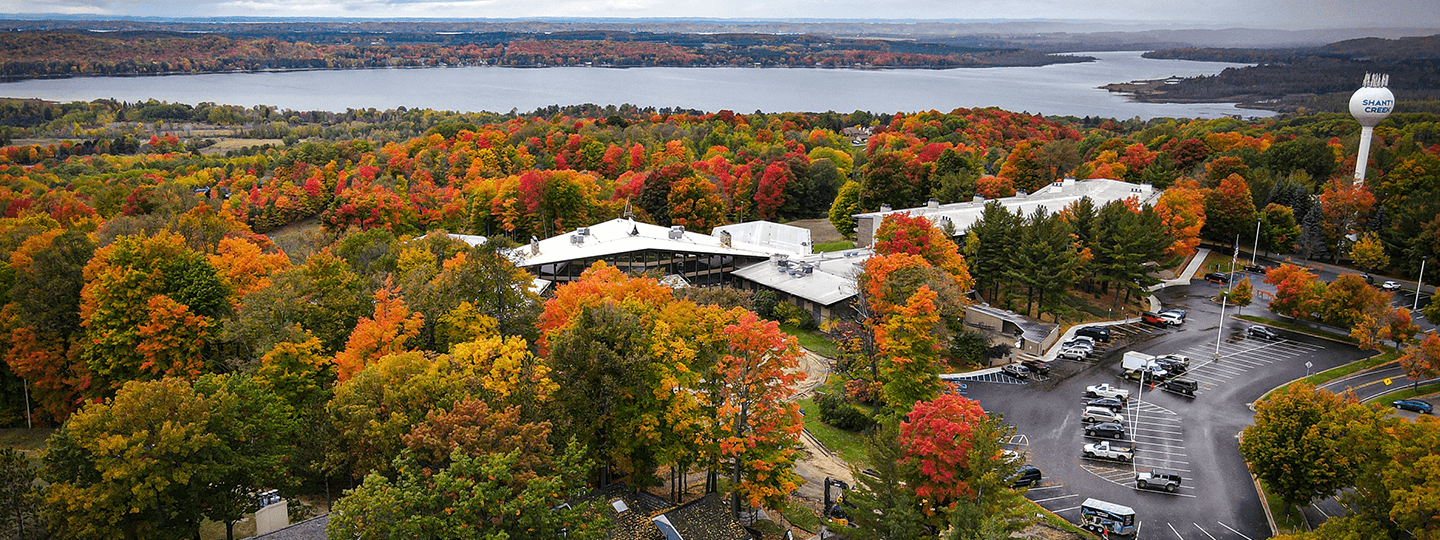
(1264, 501)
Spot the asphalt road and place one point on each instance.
(1196, 436)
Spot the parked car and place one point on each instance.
(1153, 318)
(1175, 358)
(1158, 479)
(1105, 450)
(1113, 431)
(1108, 403)
(1173, 317)
(1369, 279)
(1036, 366)
(1147, 374)
(1390, 286)
(1218, 277)
(1105, 390)
(1098, 333)
(1101, 415)
(1172, 366)
(1257, 268)
(1073, 353)
(1181, 386)
(1082, 345)
(1028, 475)
(1418, 405)
(1016, 370)
(1261, 332)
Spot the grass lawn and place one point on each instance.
(1297, 327)
(813, 340)
(848, 444)
(838, 245)
(1409, 392)
(802, 517)
(1287, 519)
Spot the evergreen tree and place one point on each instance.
(1311, 244)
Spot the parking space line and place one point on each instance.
(1033, 489)
(1065, 509)
(1055, 498)
(1242, 535)
(1177, 533)
(1202, 529)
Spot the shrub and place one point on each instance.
(765, 302)
(794, 315)
(835, 411)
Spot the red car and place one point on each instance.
(1152, 318)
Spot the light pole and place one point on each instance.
(1416, 305)
(1221, 330)
(1256, 249)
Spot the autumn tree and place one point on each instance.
(19, 497)
(1298, 293)
(1229, 210)
(1422, 362)
(1345, 207)
(917, 235)
(937, 436)
(147, 309)
(485, 495)
(1348, 298)
(373, 410)
(1241, 294)
(1182, 210)
(1369, 253)
(847, 204)
(1278, 230)
(1293, 446)
(323, 296)
(381, 335)
(695, 205)
(757, 425)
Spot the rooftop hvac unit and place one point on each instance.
(534, 246)
(583, 231)
(932, 204)
(884, 208)
(726, 238)
(807, 269)
(577, 239)
(676, 232)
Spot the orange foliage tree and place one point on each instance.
(1182, 209)
(381, 335)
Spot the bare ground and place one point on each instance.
(821, 230)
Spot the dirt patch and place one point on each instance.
(225, 145)
(821, 230)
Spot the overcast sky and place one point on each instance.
(1288, 14)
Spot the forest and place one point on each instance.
(1320, 78)
(28, 55)
(306, 286)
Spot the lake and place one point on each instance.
(1059, 89)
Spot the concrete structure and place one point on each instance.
(1369, 105)
(1002, 326)
(1053, 198)
(272, 517)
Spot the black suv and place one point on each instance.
(1158, 479)
(1109, 403)
(1174, 367)
(1257, 268)
(1097, 333)
(1113, 431)
(1218, 277)
(1028, 475)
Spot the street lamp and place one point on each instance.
(1256, 249)
(1416, 305)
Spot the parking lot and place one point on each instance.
(1193, 436)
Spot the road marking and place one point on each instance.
(1202, 529)
(1065, 509)
(1038, 488)
(1242, 535)
(1177, 533)
(1055, 498)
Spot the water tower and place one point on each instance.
(1370, 104)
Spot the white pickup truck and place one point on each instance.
(1105, 450)
(1105, 390)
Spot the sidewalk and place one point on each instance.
(1196, 263)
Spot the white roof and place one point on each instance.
(787, 238)
(1053, 198)
(470, 239)
(622, 235)
(831, 279)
